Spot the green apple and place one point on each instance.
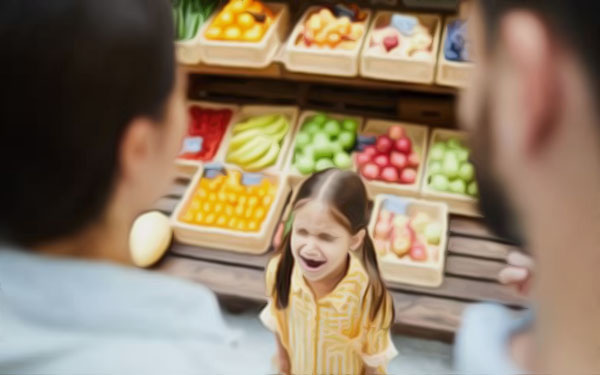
(435, 167)
(439, 182)
(462, 154)
(319, 119)
(347, 139)
(323, 150)
(457, 186)
(433, 233)
(305, 164)
(311, 128)
(333, 128)
(302, 140)
(323, 164)
(321, 137)
(342, 160)
(309, 151)
(450, 165)
(336, 147)
(466, 172)
(453, 144)
(437, 152)
(350, 125)
(473, 189)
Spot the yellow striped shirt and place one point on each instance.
(335, 334)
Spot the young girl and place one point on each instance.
(329, 308)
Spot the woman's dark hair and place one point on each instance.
(346, 195)
(74, 73)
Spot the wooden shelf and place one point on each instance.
(277, 71)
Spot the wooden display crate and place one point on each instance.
(418, 135)
(224, 238)
(396, 68)
(405, 270)
(246, 54)
(291, 112)
(460, 204)
(335, 62)
(294, 177)
(452, 73)
(187, 167)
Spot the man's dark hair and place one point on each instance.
(74, 73)
(575, 22)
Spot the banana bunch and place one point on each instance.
(256, 142)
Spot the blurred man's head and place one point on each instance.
(532, 108)
(91, 112)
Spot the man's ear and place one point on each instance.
(532, 54)
(358, 239)
(136, 148)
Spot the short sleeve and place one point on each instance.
(269, 316)
(377, 347)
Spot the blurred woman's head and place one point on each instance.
(92, 114)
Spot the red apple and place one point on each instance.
(389, 174)
(418, 252)
(396, 132)
(383, 144)
(414, 160)
(398, 160)
(382, 161)
(370, 171)
(362, 159)
(408, 176)
(370, 150)
(404, 145)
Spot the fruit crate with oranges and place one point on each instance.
(449, 175)
(391, 157)
(327, 40)
(410, 238)
(321, 140)
(227, 209)
(401, 47)
(244, 33)
(260, 137)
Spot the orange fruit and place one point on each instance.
(219, 207)
(252, 201)
(210, 219)
(199, 218)
(259, 213)
(201, 193)
(221, 196)
(252, 226)
(225, 18)
(233, 33)
(239, 211)
(245, 20)
(248, 213)
(221, 221)
(195, 205)
(188, 217)
(232, 223)
(241, 225)
(267, 201)
(207, 207)
(229, 210)
(256, 7)
(232, 198)
(242, 200)
(213, 32)
(239, 6)
(255, 33)
(212, 197)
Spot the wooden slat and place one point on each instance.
(222, 256)
(467, 290)
(479, 248)
(470, 267)
(233, 281)
(466, 226)
(427, 312)
(437, 315)
(166, 205)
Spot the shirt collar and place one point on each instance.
(346, 288)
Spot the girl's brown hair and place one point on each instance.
(345, 193)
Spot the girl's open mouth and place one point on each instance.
(311, 263)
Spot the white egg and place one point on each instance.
(149, 238)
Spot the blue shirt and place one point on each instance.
(65, 316)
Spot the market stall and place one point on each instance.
(278, 91)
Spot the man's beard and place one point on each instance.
(494, 203)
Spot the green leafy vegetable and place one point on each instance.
(189, 15)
